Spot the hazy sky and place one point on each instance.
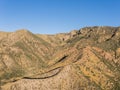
(54, 16)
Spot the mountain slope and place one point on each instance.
(87, 59)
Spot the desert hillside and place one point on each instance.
(85, 59)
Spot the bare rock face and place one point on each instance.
(85, 59)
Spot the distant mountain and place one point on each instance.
(85, 59)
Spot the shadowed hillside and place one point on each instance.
(85, 59)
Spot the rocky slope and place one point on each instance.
(85, 59)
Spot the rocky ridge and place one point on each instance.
(85, 59)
